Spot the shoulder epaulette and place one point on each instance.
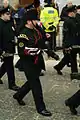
(23, 36)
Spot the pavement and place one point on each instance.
(56, 89)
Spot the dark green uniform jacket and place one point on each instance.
(7, 36)
(30, 38)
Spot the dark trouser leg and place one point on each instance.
(74, 100)
(23, 91)
(35, 86)
(8, 61)
(2, 70)
(38, 96)
(63, 62)
(69, 57)
(74, 62)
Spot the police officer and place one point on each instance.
(7, 46)
(50, 19)
(31, 58)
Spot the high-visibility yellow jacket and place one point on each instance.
(49, 16)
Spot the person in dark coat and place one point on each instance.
(74, 101)
(70, 41)
(64, 13)
(7, 47)
(31, 57)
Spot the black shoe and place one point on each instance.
(1, 82)
(58, 71)
(45, 113)
(21, 102)
(72, 108)
(75, 75)
(15, 88)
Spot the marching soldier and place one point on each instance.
(74, 101)
(31, 58)
(7, 46)
(70, 41)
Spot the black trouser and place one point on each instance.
(66, 59)
(33, 84)
(74, 100)
(63, 62)
(8, 67)
(74, 67)
(52, 40)
(68, 55)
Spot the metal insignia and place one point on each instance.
(21, 44)
(23, 36)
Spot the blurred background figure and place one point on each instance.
(54, 4)
(5, 3)
(64, 13)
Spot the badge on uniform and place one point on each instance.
(21, 44)
(23, 36)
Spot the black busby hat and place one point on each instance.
(71, 8)
(78, 7)
(4, 10)
(32, 14)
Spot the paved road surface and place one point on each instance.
(56, 89)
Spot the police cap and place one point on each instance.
(32, 14)
(71, 8)
(78, 7)
(4, 10)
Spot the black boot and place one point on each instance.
(21, 102)
(58, 71)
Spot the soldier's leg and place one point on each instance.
(21, 93)
(10, 73)
(10, 70)
(73, 102)
(2, 70)
(74, 67)
(35, 86)
(61, 64)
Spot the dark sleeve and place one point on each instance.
(41, 43)
(66, 34)
(0, 38)
(64, 14)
